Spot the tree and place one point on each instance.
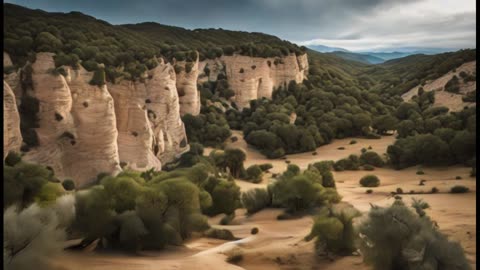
(46, 42)
(384, 123)
(234, 159)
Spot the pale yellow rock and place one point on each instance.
(12, 138)
(12, 79)
(186, 82)
(255, 77)
(164, 113)
(6, 60)
(135, 135)
(77, 126)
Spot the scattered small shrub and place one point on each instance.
(368, 167)
(459, 189)
(458, 177)
(254, 230)
(222, 234)
(235, 256)
(254, 173)
(341, 148)
(370, 181)
(314, 153)
(399, 191)
(422, 182)
(353, 142)
(255, 200)
(68, 184)
(434, 190)
(363, 150)
(227, 219)
(266, 166)
(420, 172)
(369, 191)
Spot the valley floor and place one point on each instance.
(280, 244)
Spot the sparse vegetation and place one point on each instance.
(393, 237)
(459, 189)
(369, 181)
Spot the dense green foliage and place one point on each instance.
(25, 183)
(433, 136)
(256, 199)
(396, 238)
(126, 50)
(297, 191)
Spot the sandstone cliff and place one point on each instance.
(186, 83)
(148, 119)
(84, 130)
(76, 132)
(255, 77)
(12, 139)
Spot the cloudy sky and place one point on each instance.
(357, 25)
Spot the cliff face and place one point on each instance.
(255, 77)
(84, 130)
(148, 119)
(12, 138)
(77, 132)
(186, 83)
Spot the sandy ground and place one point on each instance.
(442, 98)
(280, 244)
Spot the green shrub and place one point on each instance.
(353, 142)
(98, 78)
(254, 230)
(459, 189)
(12, 158)
(255, 200)
(254, 173)
(225, 196)
(399, 191)
(235, 256)
(420, 172)
(334, 231)
(266, 166)
(372, 158)
(369, 191)
(68, 184)
(369, 181)
(435, 190)
(458, 177)
(394, 237)
(350, 163)
(222, 234)
(368, 167)
(227, 219)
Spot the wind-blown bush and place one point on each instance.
(255, 200)
(372, 158)
(396, 238)
(334, 230)
(370, 181)
(33, 235)
(297, 192)
(23, 182)
(254, 173)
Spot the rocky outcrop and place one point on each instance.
(12, 78)
(150, 130)
(255, 77)
(186, 83)
(12, 138)
(164, 112)
(77, 133)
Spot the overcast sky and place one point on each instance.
(351, 24)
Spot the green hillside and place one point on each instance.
(74, 36)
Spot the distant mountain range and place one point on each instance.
(377, 56)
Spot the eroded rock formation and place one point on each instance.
(77, 134)
(255, 77)
(12, 138)
(186, 83)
